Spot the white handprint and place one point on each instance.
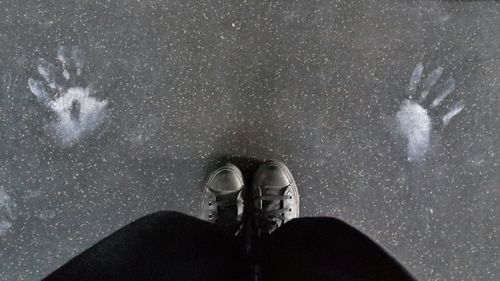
(414, 122)
(77, 112)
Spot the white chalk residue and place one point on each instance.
(30, 194)
(77, 113)
(430, 81)
(46, 215)
(415, 79)
(6, 214)
(449, 88)
(413, 121)
(414, 124)
(455, 109)
(4, 226)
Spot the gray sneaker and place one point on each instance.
(222, 201)
(276, 197)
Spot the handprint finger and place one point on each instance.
(430, 81)
(449, 87)
(415, 79)
(78, 57)
(36, 87)
(454, 110)
(64, 56)
(48, 72)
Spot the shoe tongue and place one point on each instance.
(226, 214)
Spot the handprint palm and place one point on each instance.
(413, 120)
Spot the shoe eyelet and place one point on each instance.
(209, 203)
(290, 209)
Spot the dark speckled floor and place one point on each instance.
(169, 87)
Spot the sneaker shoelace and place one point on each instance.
(273, 210)
(226, 209)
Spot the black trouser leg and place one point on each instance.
(160, 246)
(326, 249)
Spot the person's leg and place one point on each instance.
(160, 246)
(326, 249)
(294, 248)
(173, 246)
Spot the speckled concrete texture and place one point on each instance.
(110, 110)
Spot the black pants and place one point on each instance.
(173, 246)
